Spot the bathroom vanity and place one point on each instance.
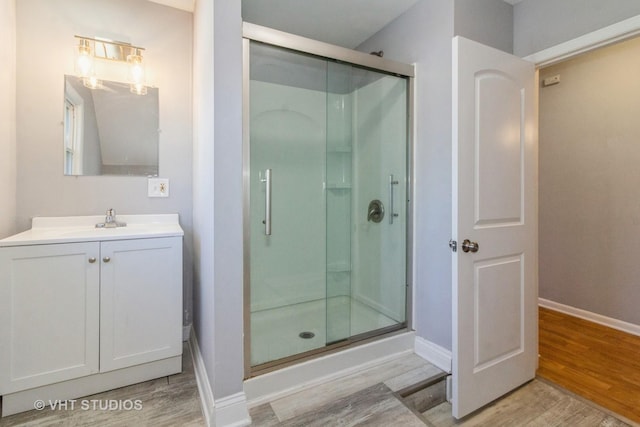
(86, 309)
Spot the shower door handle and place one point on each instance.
(392, 214)
(267, 203)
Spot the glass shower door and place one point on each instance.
(366, 201)
(379, 193)
(339, 163)
(327, 198)
(287, 203)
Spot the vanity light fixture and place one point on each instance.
(90, 48)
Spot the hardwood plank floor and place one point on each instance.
(368, 397)
(167, 401)
(596, 362)
(535, 404)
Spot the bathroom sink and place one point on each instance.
(46, 230)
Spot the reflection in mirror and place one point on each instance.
(109, 130)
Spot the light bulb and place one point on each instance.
(136, 68)
(84, 60)
(91, 82)
(138, 88)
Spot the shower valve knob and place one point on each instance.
(375, 211)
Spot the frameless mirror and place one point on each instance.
(109, 130)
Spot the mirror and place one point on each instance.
(109, 130)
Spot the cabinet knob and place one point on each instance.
(92, 260)
(106, 259)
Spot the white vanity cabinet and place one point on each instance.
(80, 317)
(140, 304)
(49, 314)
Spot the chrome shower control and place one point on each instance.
(375, 212)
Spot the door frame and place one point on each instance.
(602, 37)
(257, 33)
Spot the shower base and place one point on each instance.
(275, 333)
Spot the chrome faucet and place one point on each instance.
(110, 220)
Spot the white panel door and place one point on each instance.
(49, 305)
(494, 206)
(141, 301)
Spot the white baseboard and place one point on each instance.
(231, 411)
(433, 353)
(186, 332)
(204, 387)
(620, 325)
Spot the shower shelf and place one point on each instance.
(338, 267)
(343, 149)
(339, 186)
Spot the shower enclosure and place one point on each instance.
(326, 197)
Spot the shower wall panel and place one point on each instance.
(288, 136)
(380, 118)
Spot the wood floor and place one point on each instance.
(367, 398)
(536, 404)
(164, 402)
(371, 397)
(596, 362)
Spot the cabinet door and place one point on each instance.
(140, 301)
(49, 314)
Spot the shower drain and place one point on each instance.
(306, 335)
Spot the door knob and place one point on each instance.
(106, 259)
(469, 246)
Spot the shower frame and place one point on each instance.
(269, 36)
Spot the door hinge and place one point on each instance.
(453, 245)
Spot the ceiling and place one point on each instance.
(340, 22)
(187, 5)
(345, 23)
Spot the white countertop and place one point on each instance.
(68, 229)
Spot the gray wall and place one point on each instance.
(423, 36)
(589, 179)
(7, 118)
(45, 53)
(540, 24)
(203, 292)
(218, 193)
(227, 183)
(489, 22)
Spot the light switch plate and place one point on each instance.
(158, 187)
